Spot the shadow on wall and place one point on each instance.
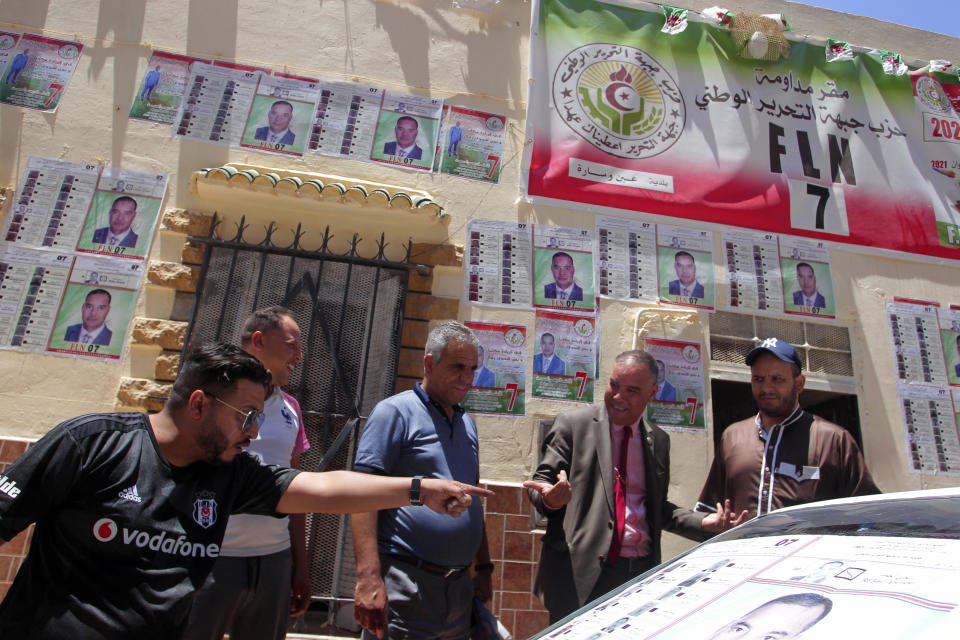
(488, 69)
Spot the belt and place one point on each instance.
(634, 565)
(446, 572)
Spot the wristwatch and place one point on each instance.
(415, 491)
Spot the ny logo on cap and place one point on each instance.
(769, 343)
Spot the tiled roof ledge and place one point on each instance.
(304, 187)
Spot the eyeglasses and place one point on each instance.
(249, 417)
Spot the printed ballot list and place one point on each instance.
(89, 208)
(499, 263)
(72, 256)
(883, 586)
(66, 304)
(919, 334)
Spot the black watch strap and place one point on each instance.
(415, 491)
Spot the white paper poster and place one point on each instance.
(498, 266)
(626, 259)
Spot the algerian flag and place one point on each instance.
(892, 63)
(838, 50)
(941, 65)
(718, 15)
(676, 20)
(780, 19)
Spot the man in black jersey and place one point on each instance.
(130, 510)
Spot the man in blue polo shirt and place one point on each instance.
(413, 570)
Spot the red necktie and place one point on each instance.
(620, 498)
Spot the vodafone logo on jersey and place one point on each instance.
(106, 530)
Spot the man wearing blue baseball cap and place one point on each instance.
(784, 455)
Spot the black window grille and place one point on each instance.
(350, 312)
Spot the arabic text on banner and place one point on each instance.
(625, 116)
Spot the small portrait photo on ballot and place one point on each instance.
(405, 139)
(280, 125)
(119, 224)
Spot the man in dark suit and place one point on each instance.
(589, 547)
(546, 361)
(96, 307)
(807, 296)
(665, 391)
(405, 146)
(483, 377)
(686, 284)
(563, 287)
(278, 131)
(118, 233)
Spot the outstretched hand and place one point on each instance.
(556, 495)
(724, 518)
(449, 496)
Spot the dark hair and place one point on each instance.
(640, 357)
(545, 334)
(561, 254)
(807, 265)
(101, 291)
(276, 102)
(684, 253)
(128, 198)
(215, 367)
(262, 320)
(410, 118)
(808, 600)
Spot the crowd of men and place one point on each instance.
(132, 534)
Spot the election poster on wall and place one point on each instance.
(678, 402)
(498, 258)
(37, 74)
(66, 206)
(472, 143)
(66, 304)
(8, 47)
(500, 381)
(563, 268)
(692, 126)
(161, 89)
(565, 362)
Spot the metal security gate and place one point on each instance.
(350, 312)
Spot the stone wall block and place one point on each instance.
(173, 275)
(168, 334)
(167, 364)
(144, 394)
(446, 255)
(191, 223)
(421, 306)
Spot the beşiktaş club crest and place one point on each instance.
(619, 99)
(205, 509)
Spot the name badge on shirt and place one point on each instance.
(797, 472)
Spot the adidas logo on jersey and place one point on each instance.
(130, 493)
